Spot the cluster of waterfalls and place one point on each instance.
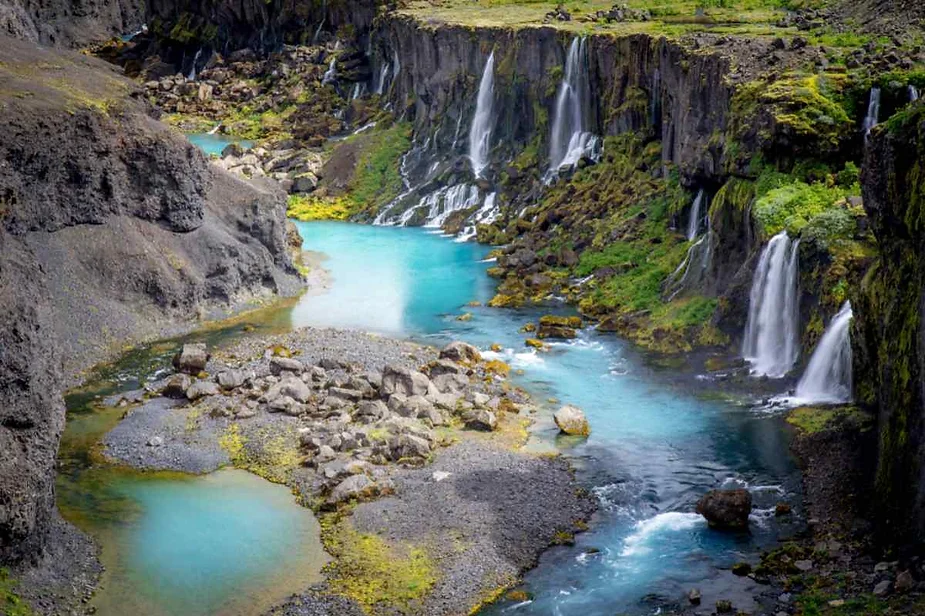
(430, 202)
(771, 343)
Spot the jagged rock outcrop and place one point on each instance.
(889, 331)
(113, 228)
(66, 23)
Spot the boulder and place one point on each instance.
(444, 366)
(726, 509)
(295, 389)
(279, 365)
(461, 352)
(450, 383)
(480, 419)
(201, 389)
(403, 381)
(353, 487)
(232, 379)
(372, 410)
(410, 446)
(571, 420)
(192, 358)
(176, 386)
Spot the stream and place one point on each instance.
(660, 439)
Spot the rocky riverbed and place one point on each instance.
(403, 445)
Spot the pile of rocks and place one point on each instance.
(621, 13)
(350, 422)
(297, 170)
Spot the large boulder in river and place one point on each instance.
(192, 358)
(571, 420)
(552, 326)
(726, 509)
(403, 381)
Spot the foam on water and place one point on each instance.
(647, 532)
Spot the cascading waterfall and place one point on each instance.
(485, 215)
(192, 72)
(696, 219)
(570, 141)
(913, 93)
(771, 343)
(383, 78)
(693, 268)
(330, 75)
(324, 16)
(482, 121)
(448, 200)
(873, 111)
(655, 106)
(828, 376)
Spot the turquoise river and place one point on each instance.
(231, 544)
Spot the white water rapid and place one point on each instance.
(771, 343)
(482, 121)
(696, 219)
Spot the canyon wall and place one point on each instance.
(889, 332)
(67, 23)
(113, 229)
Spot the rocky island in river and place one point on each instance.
(462, 306)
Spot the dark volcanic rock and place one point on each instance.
(113, 228)
(69, 23)
(726, 509)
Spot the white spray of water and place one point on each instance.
(771, 343)
(873, 111)
(192, 72)
(480, 132)
(913, 93)
(570, 140)
(485, 215)
(828, 377)
(646, 533)
(330, 75)
(696, 219)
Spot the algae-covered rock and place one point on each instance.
(461, 352)
(571, 420)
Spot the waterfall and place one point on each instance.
(324, 16)
(396, 65)
(696, 219)
(570, 140)
(192, 72)
(330, 75)
(655, 106)
(771, 343)
(485, 215)
(693, 268)
(873, 111)
(913, 93)
(480, 132)
(383, 77)
(828, 376)
(448, 200)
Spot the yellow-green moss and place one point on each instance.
(375, 572)
(10, 603)
(811, 420)
(308, 207)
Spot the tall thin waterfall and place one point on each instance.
(480, 132)
(696, 219)
(570, 139)
(828, 376)
(913, 93)
(383, 78)
(873, 111)
(655, 104)
(771, 343)
(192, 71)
(330, 75)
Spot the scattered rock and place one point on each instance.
(192, 358)
(176, 386)
(461, 352)
(201, 389)
(571, 420)
(883, 588)
(353, 487)
(741, 569)
(904, 582)
(404, 381)
(726, 509)
(694, 596)
(155, 441)
(279, 365)
(480, 419)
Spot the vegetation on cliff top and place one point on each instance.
(10, 603)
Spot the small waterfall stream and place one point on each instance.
(570, 140)
(873, 111)
(913, 93)
(330, 75)
(383, 78)
(771, 343)
(828, 376)
(192, 71)
(482, 121)
(696, 219)
(485, 215)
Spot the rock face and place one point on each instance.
(67, 23)
(112, 227)
(726, 509)
(889, 332)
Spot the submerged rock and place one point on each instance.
(571, 420)
(726, 509)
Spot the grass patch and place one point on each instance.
(309, 207)
(10, 603)
(376, 179)
(795, 205)
(812, 420)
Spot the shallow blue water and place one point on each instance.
(659, 440)
(213, 145)
(225, 543)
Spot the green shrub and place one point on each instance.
(793, 206)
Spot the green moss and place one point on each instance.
(812, 420)
(310, 207)
(374, 572)
(10, 603)
(376, 179)
(794, 205)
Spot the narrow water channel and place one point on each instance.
(659, 439)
